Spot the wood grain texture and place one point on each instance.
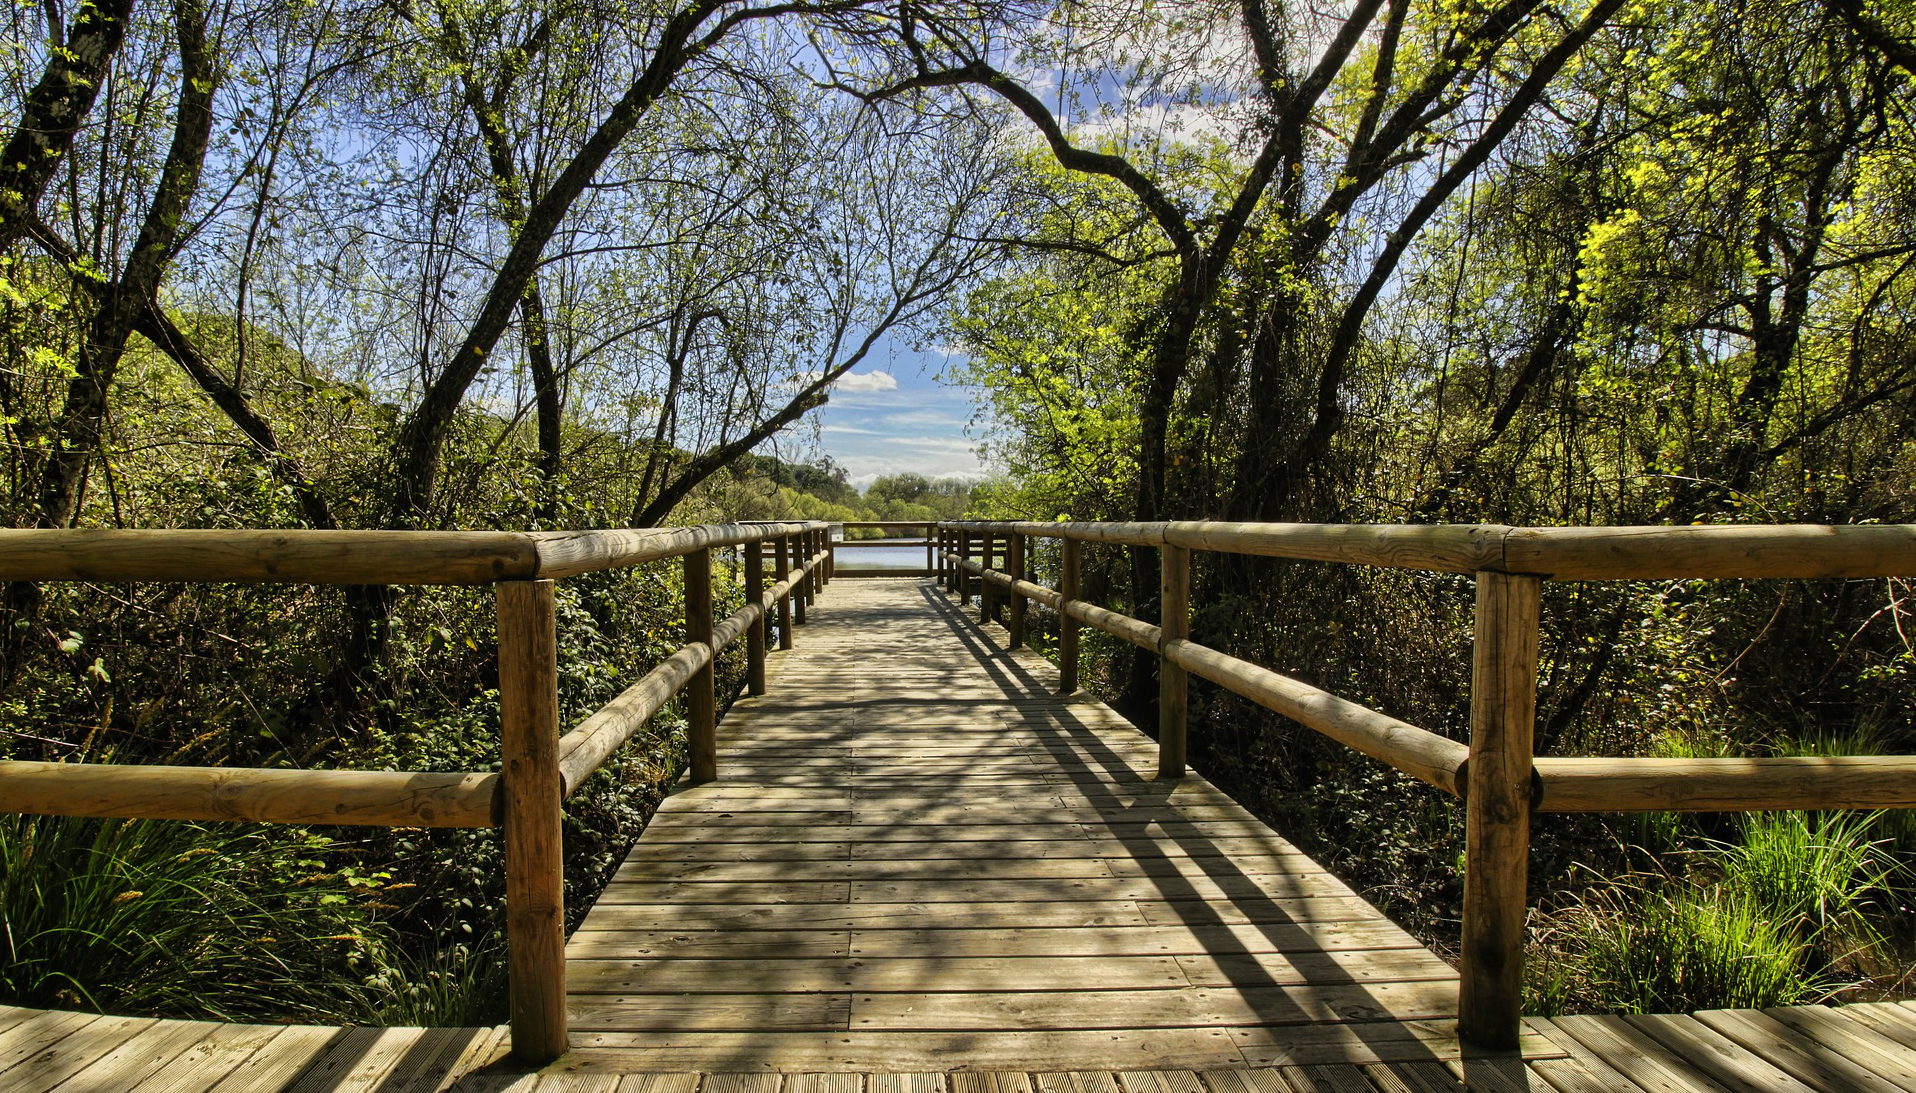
(377, 798)
(534, 789)
(1503, 715)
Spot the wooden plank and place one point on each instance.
(1638, 1057)
(1854, 1040)
(1195, 1049)
(1368, 1042)
(928, 972)
(659, 1083)
(1159, 1081)
(215, 1052)
(1329, 1078)
(741, 1083)
(130, 1062)
(1723, 1060)
(1803, 1058)
(1158, 1009)
(1425, 1077)
(38, 1032)
(1075, 1081)
(1886, 1019)
(783, 1012)
(824, 1083)
(990, 1082)
(59, 1057)
(907, 1083)
(280, 1060)
(1197, 939)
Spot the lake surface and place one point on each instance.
(908, 554)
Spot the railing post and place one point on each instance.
(1015, 563)
(535, 859)
(1174, 597)
(815, 577)
(964, 576)
(831, 557)
(755, 636)
(795, 554)
(701, 702)
(781, 569)
(987, 598)
(930, 566)
(1067, 626)
(1503, 720)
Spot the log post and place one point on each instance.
(701, 701)
(755, 636)
(814, 580)
(987, 594)
(831, 557)
(930, 562)
(532, 791)
(1503, 719)
(1068, 577)
(795, 557)
(781, 569)
(964, 577)
(1174, 568)
(1015, 564)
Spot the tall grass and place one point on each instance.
(1814, 872)
(1768, 920)
(165, 918)
(1694, 948)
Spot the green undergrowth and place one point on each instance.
(236, 922)
(1782, 914)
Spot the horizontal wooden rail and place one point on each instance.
(1725, 785)
(1420, 753)
(351, 557)
(358, 797)
(1805, 551)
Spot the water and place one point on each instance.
(865, 555)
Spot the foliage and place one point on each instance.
(173, 919)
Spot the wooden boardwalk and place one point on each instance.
(921, 871)
(917, 856)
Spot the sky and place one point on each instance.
(891, 415)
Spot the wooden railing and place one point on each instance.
(921, 528)
(1495, 773)
(539, 768)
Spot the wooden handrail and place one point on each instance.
(374, 798)
(352, 557)
(1807, 551)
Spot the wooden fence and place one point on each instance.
(1496, 774)
(539, 768)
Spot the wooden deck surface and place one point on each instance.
(923, 872)
(918, 856)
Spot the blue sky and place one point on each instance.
(892, 415)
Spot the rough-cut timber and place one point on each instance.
(920, 856)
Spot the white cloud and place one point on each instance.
(865, 383)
